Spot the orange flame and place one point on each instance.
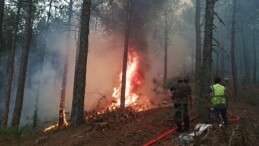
(133, 80)
(65, 123)
(50, 127)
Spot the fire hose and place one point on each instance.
(233, 118)
(167, 133)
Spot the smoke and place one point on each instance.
(44, 80)
(147, 38)
(104, 66)
(104, 61)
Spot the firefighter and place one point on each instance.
(180, 94)
(188, 90)
(219, 102)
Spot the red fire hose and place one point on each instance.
(167, 133)
(233, 118)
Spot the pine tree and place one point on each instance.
(23, 67)
(11, 67)
(125, 57)
(77, 112)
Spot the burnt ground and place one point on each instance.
(127, 128)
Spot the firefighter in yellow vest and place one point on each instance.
(219, 102)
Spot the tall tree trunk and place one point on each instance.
(217, 64)
(207, 59)
(23, 67)
(198, 41)
(42, 57)
(46, 33)
(223, 54)
(246, 64)
(233, 49)
(254, 52)
(166, 46)
(125, 57)
(2, 2)
(64, 79)
(80, 70)
(11, 67)
(35, 114)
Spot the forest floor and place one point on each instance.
(129, 128)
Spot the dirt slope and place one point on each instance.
(129, 129)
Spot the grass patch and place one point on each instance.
(11, 135)
(14, 136)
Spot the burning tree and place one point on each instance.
(62, 119)
(125, 56)
(134, 79)
(134, 99)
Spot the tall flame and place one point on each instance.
(133, 80)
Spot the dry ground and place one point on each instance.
(129, 129)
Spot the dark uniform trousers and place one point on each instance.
(181, 110)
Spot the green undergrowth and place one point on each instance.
(14, 136)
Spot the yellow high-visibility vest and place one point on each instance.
(218, 95)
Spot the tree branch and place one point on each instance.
(219, 18)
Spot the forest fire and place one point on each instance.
(134, 79)
(134, 100)
(64, 122)
(62, 115)
(50, 127)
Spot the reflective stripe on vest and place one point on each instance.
(218, 95)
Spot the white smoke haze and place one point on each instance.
(177, 64)
(104, 65)
(49, 92)
(46, 83)
(177, 53)
(103, 68)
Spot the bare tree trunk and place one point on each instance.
(125, 57)
(166, 46)
(2, 2)
(246, 64)
(22, 73)
(207, 59)
(233, 49)
(254, 52)
(11, 67)
(198, 41)
(217, 64)
(46, 33)
(80, 70)
(223, 54)
(35, 114)
(64, 80)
